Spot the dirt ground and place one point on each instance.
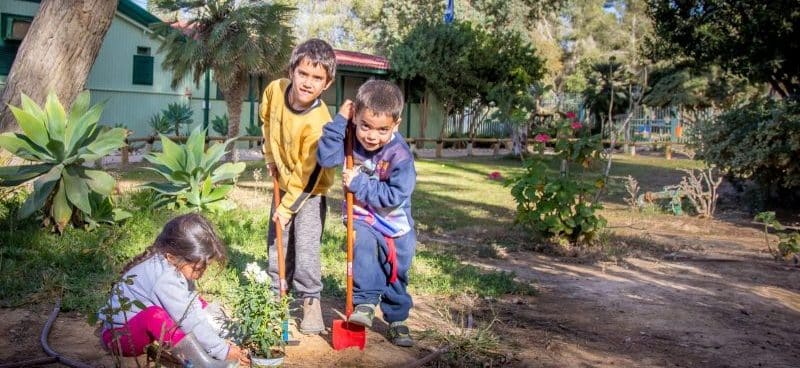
(682, 292)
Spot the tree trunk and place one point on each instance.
(423, 118)
(519, 139)
(233, 100)
(57, 53)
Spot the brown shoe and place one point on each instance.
(312, 317)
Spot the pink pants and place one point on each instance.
(142, 329)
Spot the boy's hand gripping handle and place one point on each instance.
(348, 162)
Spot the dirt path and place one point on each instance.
(716, 301)
(704, 294)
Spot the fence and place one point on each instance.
(650, 125)
(458, 125)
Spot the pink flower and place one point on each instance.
(576, 125)
(571, 115)
(541, 138)
(495, 175)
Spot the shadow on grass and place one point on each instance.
(467, 164)
(441, 213)
(442, 274)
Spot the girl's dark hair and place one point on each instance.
(189, 237)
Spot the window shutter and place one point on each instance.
(143, 70)
(7, 55)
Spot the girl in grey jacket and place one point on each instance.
(158, 287)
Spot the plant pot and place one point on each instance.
(257, 361)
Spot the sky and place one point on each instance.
(142, 3)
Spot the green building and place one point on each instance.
(128, 74)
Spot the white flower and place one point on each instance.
(254, 273)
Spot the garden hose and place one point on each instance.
(54, 357)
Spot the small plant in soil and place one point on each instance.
(258, 314)
(632, 187)
(789, 241)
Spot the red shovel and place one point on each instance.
(347, 334)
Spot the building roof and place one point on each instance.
(133, 11)
(137, 13)
(361, 60)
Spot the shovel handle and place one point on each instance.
(348, 162)
(276, 200)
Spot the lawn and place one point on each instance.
(454, 199)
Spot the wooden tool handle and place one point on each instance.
(348, 151)
(276, 200)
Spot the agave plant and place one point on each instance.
(220, 124)
(58, 144)
(178, 114)
(160, 124)
(254, 131)
(191, 177)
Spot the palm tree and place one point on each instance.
(234, 38)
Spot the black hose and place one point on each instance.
(55, 357)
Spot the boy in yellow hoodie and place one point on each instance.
(292, 117)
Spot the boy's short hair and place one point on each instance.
(380, 96)
(318, 52)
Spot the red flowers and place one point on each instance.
(576, 125)
(541, 138)
(495, 175)
(571, 115)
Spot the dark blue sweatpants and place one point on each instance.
(371, 272)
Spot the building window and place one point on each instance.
(14, 27)
(143, 50)
(143, 70)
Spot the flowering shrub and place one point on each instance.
(561, 204)
(258, 313)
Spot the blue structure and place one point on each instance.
(449, 12)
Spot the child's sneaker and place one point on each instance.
(400, 335)
(363, 315)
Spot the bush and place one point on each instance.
(759, 141)
(560, 204)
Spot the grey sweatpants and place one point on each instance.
(301, 249)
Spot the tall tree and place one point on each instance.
(57, 53)
(755, 39)
(346, 24)
(438, 55)
(235, 39)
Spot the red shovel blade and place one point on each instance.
(348, 335)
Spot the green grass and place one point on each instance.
(453, 198)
